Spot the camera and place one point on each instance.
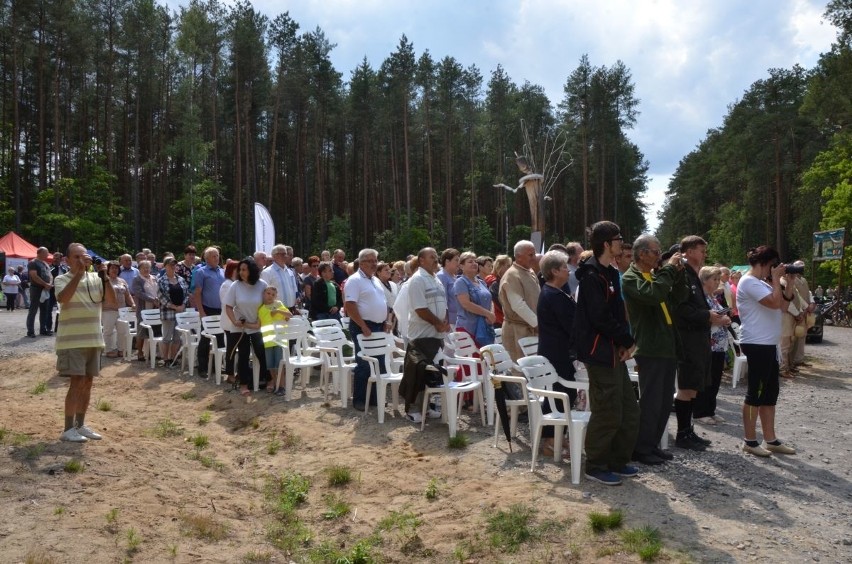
(793, 269)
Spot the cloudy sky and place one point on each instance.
(689, 59)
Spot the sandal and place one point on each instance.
(246, 392)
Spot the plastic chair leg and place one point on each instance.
(381, 396)
(536, 433)
(576, 437)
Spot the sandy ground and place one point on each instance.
(145, 497)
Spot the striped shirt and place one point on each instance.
(80, 318)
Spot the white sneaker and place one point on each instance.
(72, 436)
(433, 414)
(719, 419)
(88, 433)
(414, 417)
(706, 420)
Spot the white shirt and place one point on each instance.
(425, 291)
(245, 299)
(223, 292)
(283, 279)
(369, 298)
(761, 325)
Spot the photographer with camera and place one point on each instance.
(761, 303)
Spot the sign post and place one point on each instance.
(829, 245)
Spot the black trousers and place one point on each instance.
(656, 389)
(204, 344)
(704, 404)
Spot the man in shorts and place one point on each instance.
(79, 342)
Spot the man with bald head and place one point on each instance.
(79, 341)
(519, 291)
(41, 282)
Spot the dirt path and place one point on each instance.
(718, 506)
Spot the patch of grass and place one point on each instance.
(285, 494)
(73, 466)
(273, 446)
(458, 442)
(173, 550)
(187, 395)
(335, 507)
(288, 536)
(200, 441)
(433, 489)
(257, 557)
(204, 418)
(167, 428)
(35, 451)
(103, 405)
(133, 540)
(59, 511)
(3, 432)
(600, 522)
(255, 423)
(361, 553)
(203, 527)
(40, 388)
(112, 517)
(20, 439)
(402, 524)
(38, 556)
(207, 461)
(644, 541)
(511, 528)
(338, 475)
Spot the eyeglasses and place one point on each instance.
(619, 238)
(654, 251)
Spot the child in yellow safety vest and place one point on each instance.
(271, 313)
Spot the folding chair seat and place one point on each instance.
(296, 330)
(127, 329)
(150, 319)
(541, 376)
(529, 345)
(461, 351)
(452, 393)
(381, 345)
(330, 342)
(211, 326)
(188, 326)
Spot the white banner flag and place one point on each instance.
(264, 229)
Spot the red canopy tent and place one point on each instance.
(16, 246)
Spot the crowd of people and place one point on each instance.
(663, 308)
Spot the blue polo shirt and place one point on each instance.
(209, 280)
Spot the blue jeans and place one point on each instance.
(361, 374)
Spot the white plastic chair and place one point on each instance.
(452, 393)
(498, 335)
(295, 329)
(211, 328)
(330, 342)
(188, 326)
(381, 345)
(463, 350)
(497, 361)
(541, 376)
(127, 328)
(511, 405)
(740, 362)
(151, 319)
(529, 345)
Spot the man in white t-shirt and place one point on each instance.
(367, 309)
(427, 324)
